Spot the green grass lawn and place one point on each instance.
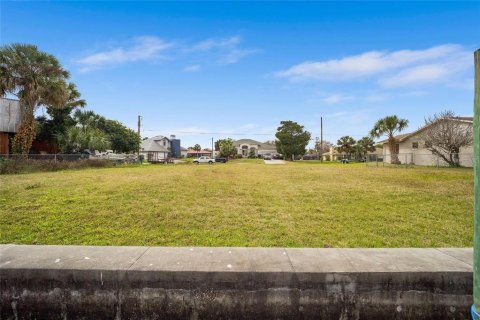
(242, 203)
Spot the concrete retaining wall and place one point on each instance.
(77, 282)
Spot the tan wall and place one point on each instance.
(424, 157)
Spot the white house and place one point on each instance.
(155, 149)
(183, 152)
(411, 148)
(247, 146)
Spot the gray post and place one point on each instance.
(476, 182)
(139, 137)
(321, 139)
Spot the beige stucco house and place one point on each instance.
(412, 149)
(333, 155)
(246, 146)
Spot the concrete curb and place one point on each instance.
(233, 283)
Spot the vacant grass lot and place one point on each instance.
(242, 203)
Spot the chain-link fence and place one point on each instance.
(421, 159)
(70, 157)
(18, 163)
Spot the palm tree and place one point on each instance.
(36, 78)
(84, 135)
(77, 139)
(197, 148)
(389, 126)
(346, 145)
(365, 145)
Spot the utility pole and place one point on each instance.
(213, 150)
(476, 181)
(321, 139)
(139, 137)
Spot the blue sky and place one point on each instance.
(216, 69)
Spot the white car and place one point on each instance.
(204, 159)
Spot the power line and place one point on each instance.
(256, 134)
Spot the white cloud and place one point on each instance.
(227, 50)
(210, 44)
(336, 98)
(192, 68)
(416, 75)
(236, 54)
(140, 49)
(397, 68)
(150, 48)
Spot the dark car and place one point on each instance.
(220, 159)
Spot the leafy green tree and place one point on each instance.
(389, 126)
(36, 78)
(85, 134)
(197, 147)
(346, 144)
(122, 139)
(77, 139)
(227, 148)
(292, 139)
(217, 144)
(59, 121)
(364, 146)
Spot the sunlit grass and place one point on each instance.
(241, 203)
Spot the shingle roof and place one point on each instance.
(152, 145)
(262, 146)
(403, 137)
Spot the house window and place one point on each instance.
(414, 145)
(164, 143)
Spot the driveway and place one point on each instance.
(274, 161)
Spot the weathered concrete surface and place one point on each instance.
(80, 282)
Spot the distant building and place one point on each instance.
(183, 152)
(245, 147)
(333, 155)
(10, 119)
(159, 148)
(195, 154)
(411, 149)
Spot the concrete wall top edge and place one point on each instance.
(237, 260)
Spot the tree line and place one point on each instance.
(37, 79)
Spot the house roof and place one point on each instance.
(261, 145)
(10, 115)
(159, 137)
(405, 136)
(152, 145)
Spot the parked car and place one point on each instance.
(221, 159)
(204, 159)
